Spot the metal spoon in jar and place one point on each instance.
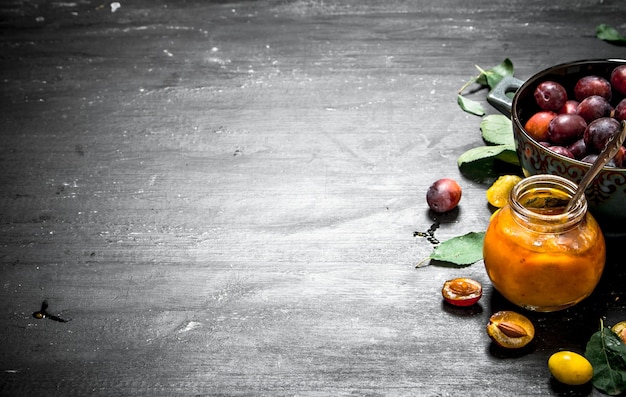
(609, 151)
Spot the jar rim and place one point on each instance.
(563, 219)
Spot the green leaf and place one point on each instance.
(491, 77)
(470, 106)
(497, 129)
(484, 164)
(462, 250)
(607, 354)
(483, 152)
(608, 33)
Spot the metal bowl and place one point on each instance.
(606, 196)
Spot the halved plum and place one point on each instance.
(462, 291)
(510, 329)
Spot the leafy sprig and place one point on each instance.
(486, 78)
(483, 164)
(607, 354)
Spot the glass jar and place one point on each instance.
(539, 256)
